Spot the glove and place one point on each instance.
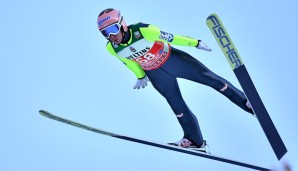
(202, 46)
(141, 82)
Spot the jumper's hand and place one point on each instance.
(203, 46)
(141, 82)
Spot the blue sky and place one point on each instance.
(54, 58)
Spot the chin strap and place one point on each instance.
(126, 36)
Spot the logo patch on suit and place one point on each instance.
(115, 45)
(132, 49)
(137, 34)
(166, 36)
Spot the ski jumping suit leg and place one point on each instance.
(167, 86)
(183, 65)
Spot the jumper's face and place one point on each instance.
(116, 38)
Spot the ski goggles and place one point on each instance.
(112, 29)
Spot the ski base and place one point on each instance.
(229, 50)
(150, 143)
(259, 109)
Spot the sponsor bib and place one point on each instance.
(155, 57)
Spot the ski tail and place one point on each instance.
(227, 46)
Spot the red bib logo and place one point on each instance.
(155, 57)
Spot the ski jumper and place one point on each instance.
(147, 51)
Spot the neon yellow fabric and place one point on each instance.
(152, 33)
(132, 65)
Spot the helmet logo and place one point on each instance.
(103, 20)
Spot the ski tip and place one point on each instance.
(46, 114)
(42, 112)
(212, 15)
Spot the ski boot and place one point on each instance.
(186, 143)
